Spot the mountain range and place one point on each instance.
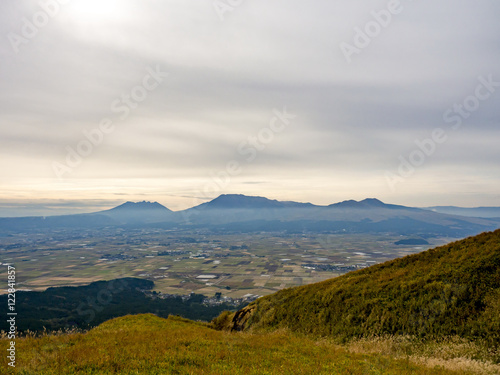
(487, 212)
(241, 213)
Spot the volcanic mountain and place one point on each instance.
(139, 212)
(234, 212)
(240, 213)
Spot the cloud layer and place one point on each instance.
(69, 65)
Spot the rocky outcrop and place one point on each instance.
(241, 318)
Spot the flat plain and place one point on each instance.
(201, 261)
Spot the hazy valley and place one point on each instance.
(234, 245)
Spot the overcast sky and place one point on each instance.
(105, 101)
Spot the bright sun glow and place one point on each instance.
(98, 9)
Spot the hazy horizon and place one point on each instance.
(105, 102)
(74, 207)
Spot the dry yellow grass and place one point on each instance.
(146, 344)
(452, 353)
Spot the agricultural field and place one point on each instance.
(185, 261)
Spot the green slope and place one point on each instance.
(146, 344)
(449, 290)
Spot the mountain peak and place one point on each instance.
(139, 212)
(372, 202)
(365, 203)
(241, 201)
(139, 206)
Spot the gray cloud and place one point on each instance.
(225, 79)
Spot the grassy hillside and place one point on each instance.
(446, 291)
(146, 344)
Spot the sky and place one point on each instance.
(175, 101)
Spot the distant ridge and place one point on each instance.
(225, 201)
(366, 204)
(139, 212)
(138, 206)
(256, 202)
(241, 213)
(240, 201)
(485, 212)
(233, 201)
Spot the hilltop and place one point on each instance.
(138, 206)
(449, 290)
(147, 344)
(139, 212)
(239, 201)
